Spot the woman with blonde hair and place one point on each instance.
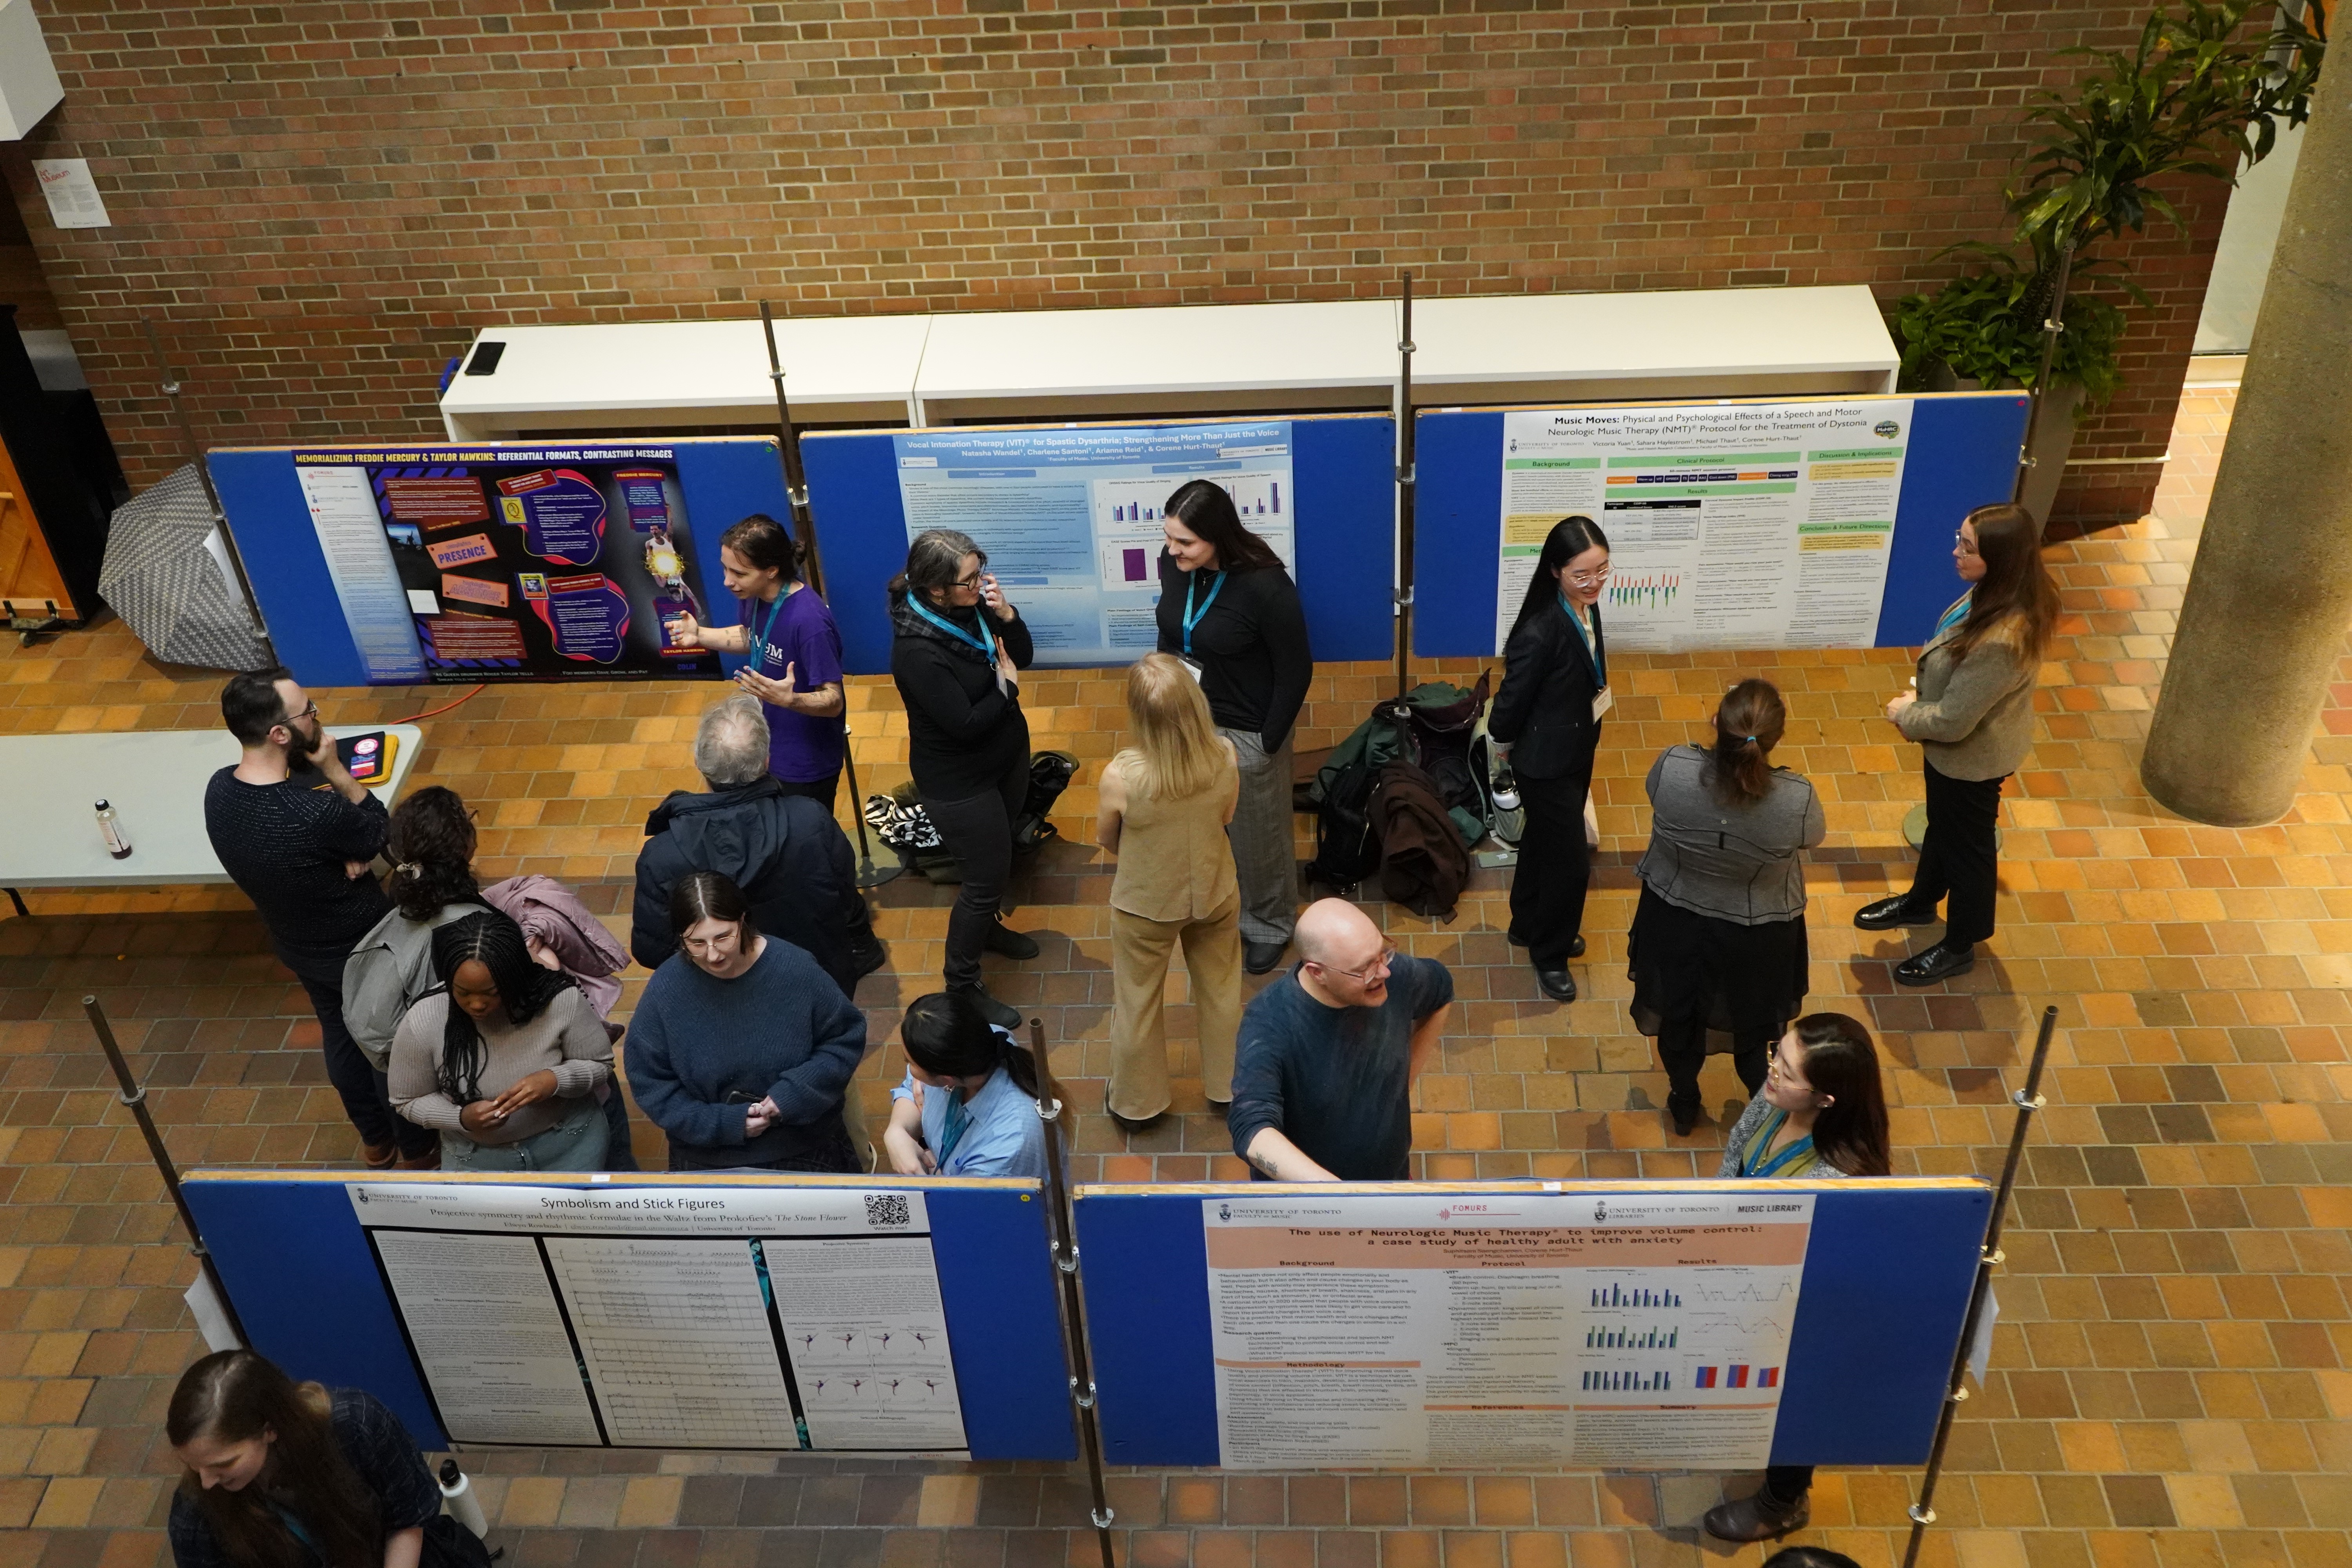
(1164, 804)
(1971, 709)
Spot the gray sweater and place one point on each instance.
(1744, 1132)
(1738, 863)
(1974, 718)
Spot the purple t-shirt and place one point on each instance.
(797, 629)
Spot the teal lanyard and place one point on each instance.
(1592, 650)
(987, 650)
(1192, 617)
(760, 654)
(953, 1125)
(1798, 1154)
(1956, 614)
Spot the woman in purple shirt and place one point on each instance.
(795, 651)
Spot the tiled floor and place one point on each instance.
(2169, 1380)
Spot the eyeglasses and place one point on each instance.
(972, 581)
(1371, 972)
(293, 718)
(1588, 579)
(1967, 546)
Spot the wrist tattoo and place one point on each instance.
(1264, 1162)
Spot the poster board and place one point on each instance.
(420, 563)
(1857, 1345)
(790, 1314)
(1757, 524)
(1069, 517)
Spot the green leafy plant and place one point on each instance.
(2197, 94)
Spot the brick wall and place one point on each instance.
(324, 201)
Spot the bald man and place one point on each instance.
(1324, 1071)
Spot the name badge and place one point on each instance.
(1604, 701)
(1191, 670)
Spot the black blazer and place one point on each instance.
(1544, 712)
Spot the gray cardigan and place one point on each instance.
(1737, 863)
(1974, 718)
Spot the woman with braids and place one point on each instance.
(1718, 937)
(969, 1104)
(1971, 710)
(795, 650)
(1822, 1113)
(505, 1060)
(286, 1475)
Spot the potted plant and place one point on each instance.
(2193, 97)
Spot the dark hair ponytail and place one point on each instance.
(431, 846)
(235, 1396)
(944, 1033)
(1850, 1132)
(1747, 724)
(525, 989)
(1569, 538)
(765, 545)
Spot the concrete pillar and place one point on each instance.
(2271, 596)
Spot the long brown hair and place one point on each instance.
(2016, 599)
(1206, 509)
(1849, 1132)
(233, 1396)
(1748, 725)
(1176, 753)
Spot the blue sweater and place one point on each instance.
(782, 1030)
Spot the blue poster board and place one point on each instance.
(1962, 455)
(1344, 527)
(1889, 1272)
(305, 1282)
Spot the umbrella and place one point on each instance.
(167, 576)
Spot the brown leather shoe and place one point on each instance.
(379, 1156)
(428, 1161)
(1757, 1518)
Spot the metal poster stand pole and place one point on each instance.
(194, 452)
(869, 875)
(2028, 1100)
(2051, 325)
(134, 1095)
(1407, 483)
(1062, 1228)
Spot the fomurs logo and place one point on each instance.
(1886, 429)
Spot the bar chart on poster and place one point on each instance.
(720, 1318)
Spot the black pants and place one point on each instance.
(830, 1154)
(822, 791)
(366, 1097)
(978, 832)
(1785, 1485)
(1960, 854)
(618, 1155)
(1681, 1051)
(1548, 884)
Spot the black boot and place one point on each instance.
(1759, 1518)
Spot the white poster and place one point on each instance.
(1737, 525)
(72, 195)
(1619, 1332)
(1070, 518)
(344, 514)
(744, 1318)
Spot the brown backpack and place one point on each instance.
(1423, 863)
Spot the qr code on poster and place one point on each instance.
(888, 1208)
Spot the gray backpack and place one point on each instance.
(386, 972)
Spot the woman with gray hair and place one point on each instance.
(957, 658)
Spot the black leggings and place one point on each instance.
(978, 832)
(1960, 854)
(1681, 1051)
(1549, 885)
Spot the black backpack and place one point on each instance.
(1347, 847)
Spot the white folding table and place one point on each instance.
(154, 779)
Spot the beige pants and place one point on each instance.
(1139, 1030)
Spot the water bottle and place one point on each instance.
(110, 828)
(457, 1496)
(1507, 789)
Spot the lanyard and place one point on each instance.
(952, 1125)
(1192, 617)
(1592, 650)
(760, 654)
(1794, 1158)
(1954, 615)
(975, 639)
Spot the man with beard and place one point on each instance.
(298, 834)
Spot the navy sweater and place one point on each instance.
(782, 1030)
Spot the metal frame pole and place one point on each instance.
(1061, 1227)
(194, 452)
(869, 875)
(2051, 325)
(134, 1095)
(2028, 1100)
(1407, 480)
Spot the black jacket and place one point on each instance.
(962, 732)
(1544, 712)
(1251, 647)
(785, 852)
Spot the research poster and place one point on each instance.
(1758, 525)
(1619, 1331)
(509, 564)
(671, 1317)
(1070, 519)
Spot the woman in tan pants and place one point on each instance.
(1163, 808)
